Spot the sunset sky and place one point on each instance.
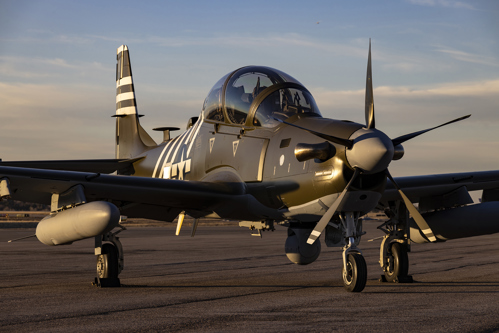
(433, 61)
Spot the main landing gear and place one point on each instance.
(110, 259)
(395, 245)
(397, 262)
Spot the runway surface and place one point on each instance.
(225, 280)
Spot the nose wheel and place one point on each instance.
(354, 270)
(355, 273)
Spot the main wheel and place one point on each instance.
(355, 274)
(107, 262)
(398, 262)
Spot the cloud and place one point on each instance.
(469, 57)
(355, 47)
(480, 88)
(21, 68)
(40, 121)
(405, 109)
(435, 153)
(73, 121)
(402, 66)
(443, 3)
(269, 40)
(459, 89)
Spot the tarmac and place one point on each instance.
(224, 280)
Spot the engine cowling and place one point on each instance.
(297, 249)
(84, 221)
(461, 222)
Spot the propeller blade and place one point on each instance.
(370, 123)
(404, 138)
(344, 142)
(321, 225)
(420, 221)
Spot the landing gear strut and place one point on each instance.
(110, 259)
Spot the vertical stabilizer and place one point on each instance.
(131, 138)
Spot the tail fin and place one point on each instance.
(131, 138)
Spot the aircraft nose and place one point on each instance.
(372, 151)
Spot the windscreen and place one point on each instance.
(282, 104)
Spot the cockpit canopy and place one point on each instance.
(255, 95)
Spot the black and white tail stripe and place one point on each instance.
(125, 93)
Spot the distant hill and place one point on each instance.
(14, 205)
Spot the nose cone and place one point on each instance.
(372, 151)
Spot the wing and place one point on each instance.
(160, 199)
(122, 166)
(451, 187)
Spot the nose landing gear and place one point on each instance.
(354, 273)
(347, 233)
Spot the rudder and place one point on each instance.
(131, 138)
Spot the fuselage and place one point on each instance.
(261, 162)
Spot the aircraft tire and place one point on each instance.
(400, 263)
(107, 262)
(355, 275)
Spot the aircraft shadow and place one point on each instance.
(226, 286)
(429, 287)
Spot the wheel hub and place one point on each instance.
(348, 274)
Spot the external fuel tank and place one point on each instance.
(84, 221)
(467, 221)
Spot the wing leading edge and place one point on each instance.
(161, 199)
(417, 187)
(122, 166)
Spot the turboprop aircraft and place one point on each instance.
(259, 152)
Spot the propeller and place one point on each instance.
(321, 225)
(404, 138)
(344, 142)
(371, 151)
(420, 221)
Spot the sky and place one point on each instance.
(433, 61)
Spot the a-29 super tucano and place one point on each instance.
(259, 152)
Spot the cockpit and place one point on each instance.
(255, 95)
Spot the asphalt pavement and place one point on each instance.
(223, 279)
